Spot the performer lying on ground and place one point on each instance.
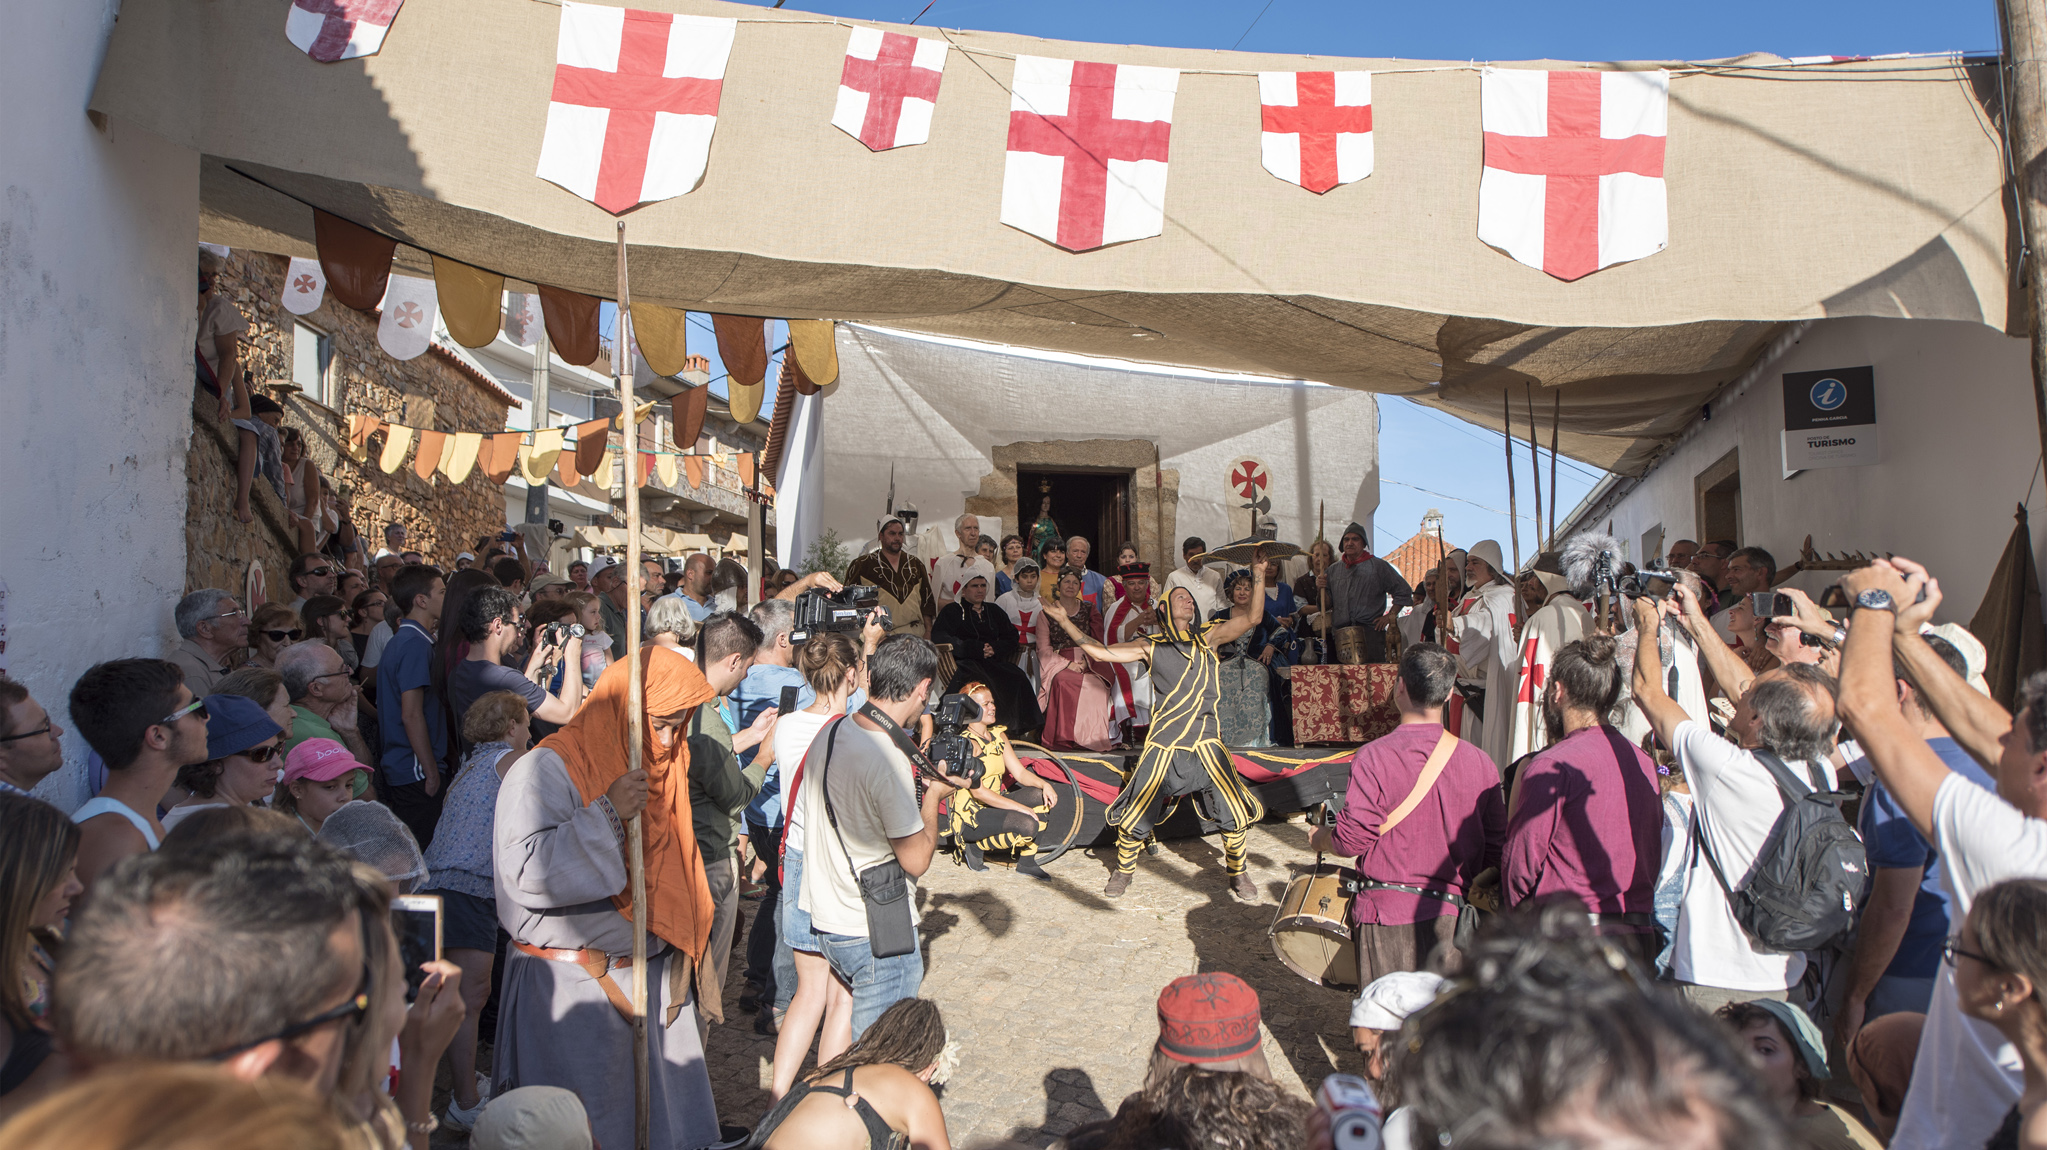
(1183, 752)
(991, 816)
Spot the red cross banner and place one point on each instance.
(888, 88)
(1087, 151)
(1249, 480)
(1573, 178)
(1316, 127)
(330, 30)
(635, 101)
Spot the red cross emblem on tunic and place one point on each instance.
(1249, 479)
(887, 80)
(1319, 119)
(633, 95)
(1087, 137)
(1572, 157)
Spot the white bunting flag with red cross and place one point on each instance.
(330, 30)
(1087, 151)
(635, 101)
(1316, 127)
(888, 88)
(405, 319)
(1573, 178)
(305, 286)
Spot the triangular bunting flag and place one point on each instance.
(646, 467)
(331, 30)
(816, 353)
(463, 448)
(566, 473)
(405, 329)
(660, 334)
(571, 324)
(500, 454)
(357, 260)
(605, 473)
(305, 286)
(695, 466)
(397, 439)
(746, 465)
(546, 445)
(522, 318)
(472, 301)
(686, 414)
(428, 459)
(743, 345)
(590, 440)
(665, 465)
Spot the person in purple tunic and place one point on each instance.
(1585, 817)
(1424, 816)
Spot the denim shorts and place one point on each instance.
(796, 928)
(878, 983)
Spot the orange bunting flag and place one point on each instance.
(590, 440)
(566, 473)
(500, 455)
(357, 261)
(686, 414)
(695, 465)
(646, 466)
(428, 460)
(571, 324)
(746, 469)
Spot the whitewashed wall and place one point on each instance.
(1960, 441)
(97, 271)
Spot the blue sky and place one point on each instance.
(1429, 460)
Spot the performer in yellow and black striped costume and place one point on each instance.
(1183, 750)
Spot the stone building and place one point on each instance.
(321, 367)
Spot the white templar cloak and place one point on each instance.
(1487, 657)
(1562, 620)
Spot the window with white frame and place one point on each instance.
(312, 363)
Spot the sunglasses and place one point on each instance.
(195, 707)
(320, 571)
(295, 634)
(357, 1007)
(261, 754)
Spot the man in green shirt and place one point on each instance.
(323, 701)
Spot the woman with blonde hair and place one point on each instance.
(38, 880)
(177, 1106)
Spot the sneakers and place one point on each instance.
(1118, 883)
(1244, 889)
(462, 1119)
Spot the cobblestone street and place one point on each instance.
(1051, 989)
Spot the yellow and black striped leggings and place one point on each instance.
(1138, 810)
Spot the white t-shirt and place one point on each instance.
(1205, 585)
(793, 734)
(876, 800)
(219, 317)
(1735, 803)
(373, 651)
(1966, 1075)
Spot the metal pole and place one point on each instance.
(1513, 520)
(2025, 47)
(536, 493)
(636, 842)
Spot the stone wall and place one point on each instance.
(218, 548)
(435, 390)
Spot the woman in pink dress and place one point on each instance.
(1073, 690)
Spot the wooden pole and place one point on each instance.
(635, 707)
(1556, 419)
(1513, 522)
(1535, 470)
(2025, 92)
(1322, 615)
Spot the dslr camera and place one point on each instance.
(1654, 581)
(556, 634)
(843, 610)
(949, 743)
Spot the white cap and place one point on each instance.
(1386, 1004)
(1489, 550)
(465, 555)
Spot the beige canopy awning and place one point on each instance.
(1871, 188)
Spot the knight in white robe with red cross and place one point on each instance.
(1488, 655)
(1124, 621)
(1561, 620)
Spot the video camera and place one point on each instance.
(846, 609)
(1655, 581)
(949, 744)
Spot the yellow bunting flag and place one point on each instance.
(604, 473)
(810, 341)
(397, 440)
(460, 460)
(660, 333)
(745, 400)
(472, 301)
(546, 445)
(428, 460)
(665, 465)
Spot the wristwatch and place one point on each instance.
(1876, 599)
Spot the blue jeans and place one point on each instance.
(1894, 995)
(878, 983)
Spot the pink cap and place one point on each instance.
(320, 760)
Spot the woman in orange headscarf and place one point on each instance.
(564, 896)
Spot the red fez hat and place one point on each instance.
(1208, 1018)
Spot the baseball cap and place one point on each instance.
(1387, 1003)
(320, 760)
(234, 724)
(533, 1118)
(551, 579)
(469, 555)
(1208, 1018)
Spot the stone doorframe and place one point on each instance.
(1150, 499)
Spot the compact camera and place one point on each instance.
(843, 610)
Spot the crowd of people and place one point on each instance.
(1578, 920)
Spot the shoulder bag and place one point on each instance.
(884, 887)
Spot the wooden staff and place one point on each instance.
(1507, 436)
(635, 837)
(1535, 471)
(1556, 419)
(1322, 584)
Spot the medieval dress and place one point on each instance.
(905, 589)
(1183, 752)
(969, 628)
(1073, 690)
(1130, 700)
(1487, 659)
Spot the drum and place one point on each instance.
(1311, 933)
(1350, 645)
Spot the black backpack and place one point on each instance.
(1811, 875)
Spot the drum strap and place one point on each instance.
(1431, 771)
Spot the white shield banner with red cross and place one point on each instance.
(1316, 127)
(889, 87)
(1087, 151)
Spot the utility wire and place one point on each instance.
(1253, 24)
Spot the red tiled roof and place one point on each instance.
(1417, 557)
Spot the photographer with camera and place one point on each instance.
(862, 817)
(490, 621)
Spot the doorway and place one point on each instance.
(1718, 490)
(1090, 502)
